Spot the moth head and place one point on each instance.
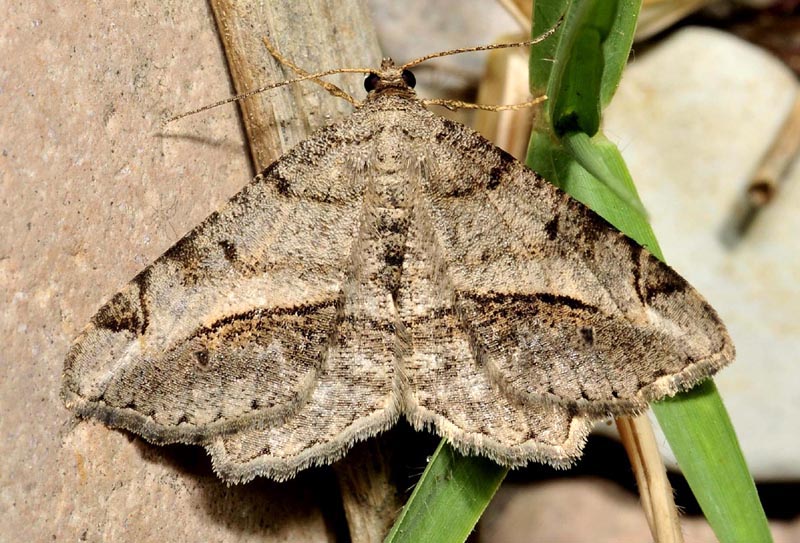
(390, 79)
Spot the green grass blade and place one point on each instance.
(617, 47)
(449, 498)
(598, 158)
(579, 67)
(702, 437)
(592, 47)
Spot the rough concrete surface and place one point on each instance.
(92, 190)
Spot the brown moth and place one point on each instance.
(393, 264)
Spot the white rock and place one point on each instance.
(693, 117)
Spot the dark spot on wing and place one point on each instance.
(387, 224)
(659, 373)
(202, 357)
(497, 173)
(394, 255)
(119, 314)
(282, 185)
(551, 228)
(187, 254)
(142, 280)
(663, 283)
(567, 301)
(228, 249)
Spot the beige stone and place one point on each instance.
(693, 117)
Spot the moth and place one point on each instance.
(394, 264)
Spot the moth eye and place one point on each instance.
(408, 77)
(371, 81)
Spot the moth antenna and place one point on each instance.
(271, 86)
(330, 87)
(458, 104)
(338, 92)
(489, 47)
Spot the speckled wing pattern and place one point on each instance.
(393, 264)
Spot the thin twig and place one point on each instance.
(768, 175)
(651, 477)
